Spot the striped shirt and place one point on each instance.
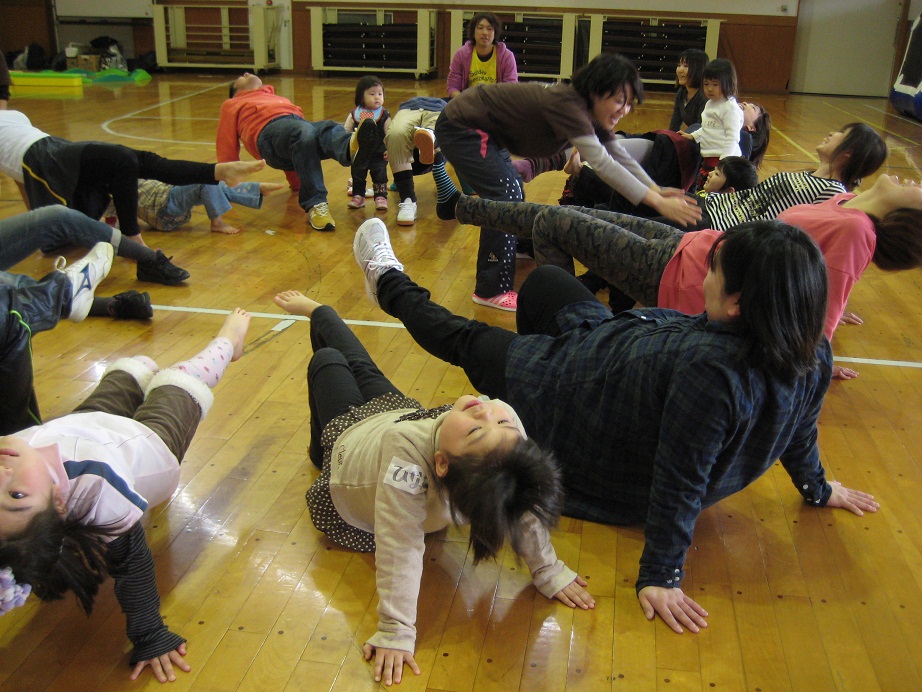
(768, 199)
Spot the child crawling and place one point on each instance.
(393, 471)
(73, 490)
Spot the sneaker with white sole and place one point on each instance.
(381, 203)
(320, 217)
(508, 301)
(406, 212)
(84, 276)
(357, 202)
(424, 140)
(374, 254)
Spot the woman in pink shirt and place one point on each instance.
(660, 266)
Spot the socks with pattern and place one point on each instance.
(446, 193)
(209, 365)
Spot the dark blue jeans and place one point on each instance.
(489, 170)
(291, 143)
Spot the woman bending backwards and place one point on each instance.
(402, 471)
(74, 489)
(657, 265)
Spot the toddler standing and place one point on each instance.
(721, 120)
(369, 113)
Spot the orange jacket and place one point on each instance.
(244, 117)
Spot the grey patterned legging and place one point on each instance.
(628, 252)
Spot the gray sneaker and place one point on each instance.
(84, 276)
(374, 254)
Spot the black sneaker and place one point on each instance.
(131, 305)
(161, 271)
(365, 143)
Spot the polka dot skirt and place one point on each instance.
(319, 502)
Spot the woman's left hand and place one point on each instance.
(854, 501)
(842, 373)
(850, 318)
(163, 665)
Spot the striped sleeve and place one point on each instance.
(132, 567)
(769, 198)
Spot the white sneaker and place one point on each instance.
(406, 212)
(374, 254)
(84, 276)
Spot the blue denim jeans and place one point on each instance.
(291, 143)
(47, 229)
(216, 199)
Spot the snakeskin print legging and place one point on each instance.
(629, 252)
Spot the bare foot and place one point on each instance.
(234, 330)
(235, 172)
(296, 303)
(219, 225)
(266, 189)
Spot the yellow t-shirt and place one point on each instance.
(482, 71)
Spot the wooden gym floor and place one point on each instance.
(799, 598)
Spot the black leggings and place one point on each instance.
(478, 348)
(340, 375)
(113, 169)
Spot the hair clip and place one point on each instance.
(12, 595)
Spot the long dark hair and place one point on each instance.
(781, 277)
(494, 491)
(694, 60)
(761, 135)
(899, 240)
(58, 554)
(866, 151)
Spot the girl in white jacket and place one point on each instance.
(393, 471)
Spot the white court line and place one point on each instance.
(281, 326)
(288, 321)
(105, 125)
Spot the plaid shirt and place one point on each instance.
(152, 200)
(655, 415)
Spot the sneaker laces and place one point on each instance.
(321, 209)
(407, 204)
(384, 257)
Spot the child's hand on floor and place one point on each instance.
(575, 595)
(163, 665)
(389, 662)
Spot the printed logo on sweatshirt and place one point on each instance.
(406, 477)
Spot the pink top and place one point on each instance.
(848, 240)
(845, 236)
(681, 286)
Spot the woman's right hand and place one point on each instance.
(389, 662)
(677, 208)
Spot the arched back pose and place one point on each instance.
(654, 415)
(85, 175)
(402, 471)
(480, 128)
(657, 265)
(846, 156)
(74, 489)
